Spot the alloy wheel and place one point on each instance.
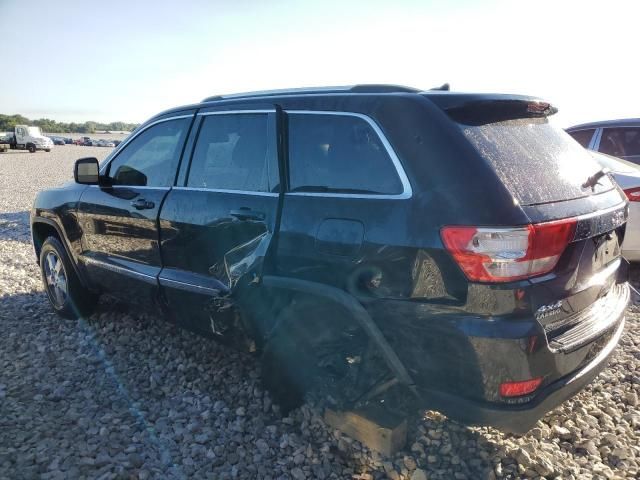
(56, 278)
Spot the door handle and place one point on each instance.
(142, 204)
(244, 213)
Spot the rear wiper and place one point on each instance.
(593, 180)
(325, 189)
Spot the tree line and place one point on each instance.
(8, 122)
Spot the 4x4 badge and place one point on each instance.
(548, 310)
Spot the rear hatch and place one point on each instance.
(577, 216)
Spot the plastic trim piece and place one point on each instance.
(124, 271)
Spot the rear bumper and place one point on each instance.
(520, 418)
(459, 362)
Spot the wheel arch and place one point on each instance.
(43, 228)
(344, 300)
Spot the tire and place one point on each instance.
(31, 148)
(47, 150)
(66, 294)
(295, 361)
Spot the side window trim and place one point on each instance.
(104, 168)
(596, 139)
(184, 186)
(407, 191)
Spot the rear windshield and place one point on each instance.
(537, 161)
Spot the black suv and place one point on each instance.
(452, 251)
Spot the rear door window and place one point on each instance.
(620, 142)
(583, 137)
(235, 152)
(338, 153)
(536, 160)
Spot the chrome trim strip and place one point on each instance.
(222, 190)
(407, 192)
(190, 287)
(233, 112)
(136, 187)
(134, 135)
(118, 269)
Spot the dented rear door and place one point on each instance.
(217, 224)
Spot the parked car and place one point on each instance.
(627, 176)
(116, 142)
(57, 140)
(5, 142)
(68, 140)
(105, 143)
(619, 138)
(450, 251)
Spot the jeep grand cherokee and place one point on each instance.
(459, 247)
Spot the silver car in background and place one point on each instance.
(627, 176)
(620, 138)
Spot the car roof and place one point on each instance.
(440, 96)
(624, 122)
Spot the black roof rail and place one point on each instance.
(364, 88)
(382, 88)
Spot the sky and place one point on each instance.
(128, 60)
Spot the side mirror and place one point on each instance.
(86, 171)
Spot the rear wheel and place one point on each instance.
(68, 297)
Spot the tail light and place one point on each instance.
(516, 389)
(507, 254)
(633, 194)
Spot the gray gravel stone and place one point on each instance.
(124, 394)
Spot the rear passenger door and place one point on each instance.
(218, 223)
(346, 201)
(119, 218)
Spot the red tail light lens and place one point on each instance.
(507, 254)
(633, 194)
(516, 389)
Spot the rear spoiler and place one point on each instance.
(491, 111)
(479, 109)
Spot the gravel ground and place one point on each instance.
(126, 395)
